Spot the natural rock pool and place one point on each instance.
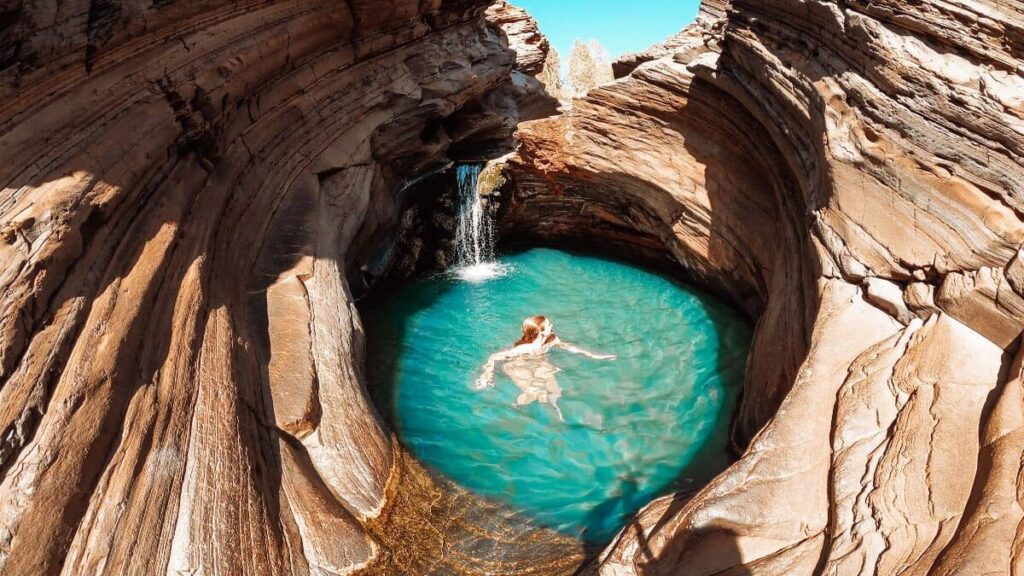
(652, 421)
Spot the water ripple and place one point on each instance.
(652, 421)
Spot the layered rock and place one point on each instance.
(191, 189)
(851, 174)
(187, 189)
(531, 47)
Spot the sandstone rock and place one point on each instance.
(785, 153)
(1015, 272)
(683, 46)
(991, 528)
(985, 301)
(888, 296)
(187, 187)
(920, 298)
(524, 38)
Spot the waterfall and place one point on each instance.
(474, 239)
(474, 233)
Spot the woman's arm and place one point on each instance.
(487, 378)
(577, 350)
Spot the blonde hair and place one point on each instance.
(532, 327)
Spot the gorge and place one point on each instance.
(638, 408)
(195, 194)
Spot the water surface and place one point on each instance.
(652, 421)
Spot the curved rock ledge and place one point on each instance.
(851, 174)
(186, 189)
(190, 187)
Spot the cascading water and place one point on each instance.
(473, 237)
(474, 234)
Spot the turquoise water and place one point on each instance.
(652, 421)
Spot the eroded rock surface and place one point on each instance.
(187, 189)
(851, 174)
(192, 189)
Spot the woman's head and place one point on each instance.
(535, 328)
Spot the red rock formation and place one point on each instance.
(530, 46)
(851, 174)
(183, 183)
(189, 186)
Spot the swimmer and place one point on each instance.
(527, 364)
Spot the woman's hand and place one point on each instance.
(577, 350)
(487, 378)
(484, 381)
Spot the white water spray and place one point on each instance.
(474, 234)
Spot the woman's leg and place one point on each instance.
(554, 403)
(528, 397)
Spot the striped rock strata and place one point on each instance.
(187, 189)
(191, 189)
(852, 175)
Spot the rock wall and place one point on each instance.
(851, 174)
(191, 189)
(187, 189)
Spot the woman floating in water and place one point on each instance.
(527, 364)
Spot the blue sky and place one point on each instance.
(620, 26)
